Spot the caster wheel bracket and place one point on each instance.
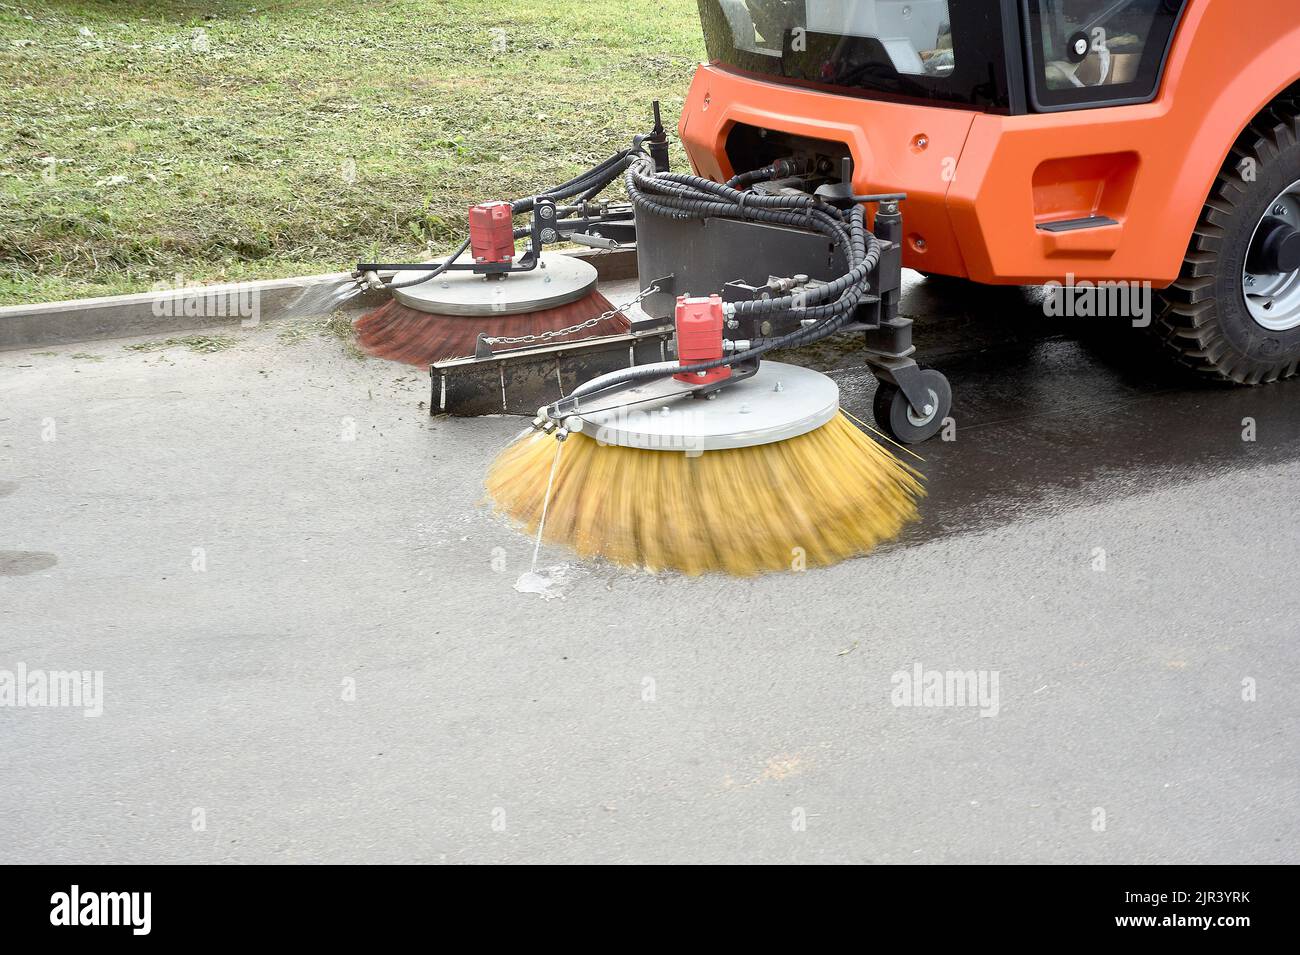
(910, 419)
(905, 375)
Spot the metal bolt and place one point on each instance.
(1279, 210)
(1250, 281)
(780, 386)
(922, 142)
(928, 410)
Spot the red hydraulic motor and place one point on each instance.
(699, 324)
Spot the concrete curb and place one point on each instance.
(207, 306)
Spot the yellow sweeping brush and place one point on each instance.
(721, 460)
(810, 500)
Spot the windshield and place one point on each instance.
(915, 34)
(927, 49)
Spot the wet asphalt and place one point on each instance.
(312, 649)
(1063, 410)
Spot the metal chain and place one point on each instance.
(572, 329)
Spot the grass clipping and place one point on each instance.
(809, 501)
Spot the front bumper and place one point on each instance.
(980, 186)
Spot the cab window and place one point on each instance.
(1098, 52)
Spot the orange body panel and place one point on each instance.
(979, 184)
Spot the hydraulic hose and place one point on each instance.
(592, 181)
(825, 308)
(437, 270)
(777, 170)
(586, 186)
(821, 310)
(839, 315)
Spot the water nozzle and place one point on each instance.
(369, 280)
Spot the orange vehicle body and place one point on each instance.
(979, 184)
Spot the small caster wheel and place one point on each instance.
(901, 422)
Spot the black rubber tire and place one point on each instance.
(1202, 316)
(890, 409)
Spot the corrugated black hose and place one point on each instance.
(828, 307)
(588, 185)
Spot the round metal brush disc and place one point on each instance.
(779, 402)
(557, 280)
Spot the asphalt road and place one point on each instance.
(311, 647)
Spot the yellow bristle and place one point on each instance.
(808, 501)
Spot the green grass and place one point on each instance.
(339, 326)
(203, 344)
(142, 139)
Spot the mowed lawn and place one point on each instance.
(143, 139)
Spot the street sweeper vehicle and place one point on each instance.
(832, 143)
(1043, 140)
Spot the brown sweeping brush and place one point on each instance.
(500, 294)
(808, 501)
(399, 332)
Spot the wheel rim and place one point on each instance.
(920, 421)
(1273, 300)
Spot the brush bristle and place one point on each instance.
(811, 501)
(400, 333)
